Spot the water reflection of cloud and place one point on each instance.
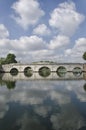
(3, 109)
(60, 97)
(42, 110)
(80, 93)
(29, 96)
(28, 122)
(36, 93)
(67, 119)
(77, 88)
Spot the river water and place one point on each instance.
(43, 105)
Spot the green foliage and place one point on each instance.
(2, 60)
(9, 59)
(84, 56)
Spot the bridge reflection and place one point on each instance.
(52, 76)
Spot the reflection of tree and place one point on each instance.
(1, 83)
(84, 86)
(9, 84)
(1, 70)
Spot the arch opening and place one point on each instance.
(28, 71)
(61, 71)
(77, 71)
(14, 71)
(84, 87)
(44, 71)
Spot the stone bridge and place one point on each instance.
(32, 71)
(36, 67)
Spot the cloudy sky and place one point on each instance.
(43, 29)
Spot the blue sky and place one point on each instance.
(43, 29)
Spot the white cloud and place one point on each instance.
(59, 41)
(24, 43)
(31, 43)
(68, 51)
(78, 50)
(42, 30)
(24, 48)
(3, 31)
(3, 43)
(80, 46)
(45, 54)
(34, 48)
(27, 12)
(66, 19)
(81, 42)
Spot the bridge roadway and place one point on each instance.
(36, 67)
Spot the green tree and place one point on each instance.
(84, 56)
(10, 59)
(2, 60)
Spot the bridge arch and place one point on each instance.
(77, 71)
(61, 71)
(14, 71)
(44, 71)
(28, 72)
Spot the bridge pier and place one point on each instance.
(84, 67)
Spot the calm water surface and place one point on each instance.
(43, 105)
